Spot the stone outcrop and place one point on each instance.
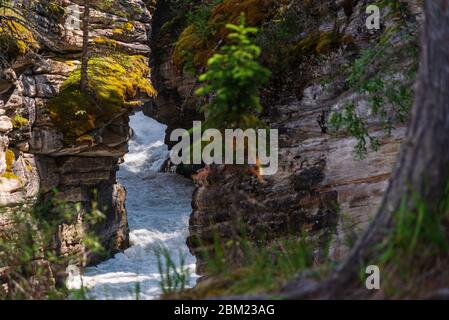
(321, 186)
(83, 173)
(176, 104)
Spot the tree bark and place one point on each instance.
(85, 54)
(422, 166)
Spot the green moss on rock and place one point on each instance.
(55, 10)
(15, 38)
(106, 42)
(18, 121)
(320, 43)
(10, 175)
(193, 49)
(10, 157)
(113, 82)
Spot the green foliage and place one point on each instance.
(191, 48)
(79, 294)
(389, 93)
(355, 126)
(28, 250)
(173, 279)
(113, 83)
(416, 245)
(56, 10)
(318, 43)
(199, 18)
(419, 232)
(262, 267)
(18, 252)
(292, 36)
(267, 269)
(121, 8)
(233, 80)
(350, 229)
(397, 7)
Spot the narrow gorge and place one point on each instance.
(110, 153)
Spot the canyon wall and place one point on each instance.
(38, 164)
(322, 187)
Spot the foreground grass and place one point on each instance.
(259, 268)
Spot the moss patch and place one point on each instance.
(113, 82)
(120, 8)
(10, 175)
(18, 121)
(56, 11)
(192, 50)
(106, 42)
(10, 157)
(123, 28)
(15, 38)
(320, 43)
(256, 11)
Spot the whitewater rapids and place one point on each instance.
(158, 206)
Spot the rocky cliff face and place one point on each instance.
(176, 104)
(321, 187)
(36, 159)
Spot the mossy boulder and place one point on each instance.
(113, 82)
(105, 42)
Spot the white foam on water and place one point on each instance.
(158, 206)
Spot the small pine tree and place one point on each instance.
(233, 80)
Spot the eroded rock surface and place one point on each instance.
(83, 173)
(321, 186)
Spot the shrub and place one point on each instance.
(29, 252)
(354, 125)
(261, 268)
(389, 94)
(173, 278)
(234, 78)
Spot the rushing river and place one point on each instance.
(158, 207)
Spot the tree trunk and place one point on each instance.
(85, 53)
(422, 166)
